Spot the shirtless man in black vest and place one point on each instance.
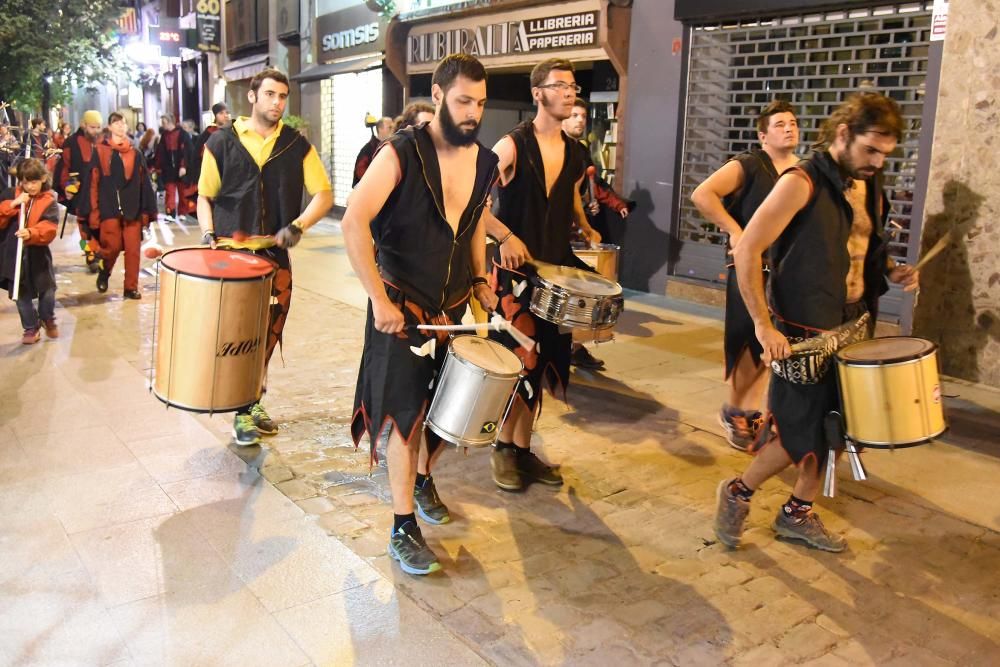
(415, 237)
(728, 198)
(829, 202)
(541, 171)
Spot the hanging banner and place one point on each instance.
(209, 25)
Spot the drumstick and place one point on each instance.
(15, 291)
(457, 327)
(933, 252)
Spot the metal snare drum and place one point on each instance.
(473, 391)
(575, 298)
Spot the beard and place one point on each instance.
(453, 134)
(557, 109)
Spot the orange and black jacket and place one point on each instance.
(119, 186)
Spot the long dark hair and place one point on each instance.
(862, 112)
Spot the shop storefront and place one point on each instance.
(348, 57)
(740, 56)
(511, 43)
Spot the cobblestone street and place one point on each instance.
(619, 566)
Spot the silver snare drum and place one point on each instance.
(473, 390)
(575, 298)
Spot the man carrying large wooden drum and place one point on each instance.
(250, 198)
(824, 225)
(417, 209)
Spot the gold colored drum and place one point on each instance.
(212, 320)
(891, 391)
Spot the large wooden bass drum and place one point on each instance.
(210, 334)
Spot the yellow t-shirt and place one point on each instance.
(210, 182)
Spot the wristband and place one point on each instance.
(504, 239)
(479, 280)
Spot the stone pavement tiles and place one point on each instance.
(621, 563)
(132, 536)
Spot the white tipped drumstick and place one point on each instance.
(522, 339)
(16, 290)
(933, 252)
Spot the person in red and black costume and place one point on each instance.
(171, 163)
(121, 202)
(541, 171)
(39, 139)
(77, 153)
(601, 203)
(415, 236)
(221, 119)
(380, 132)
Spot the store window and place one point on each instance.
(347, 99)
(814, 61)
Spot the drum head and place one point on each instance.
(578, 281)
(486, 354)
(217, 264)
(889, 350)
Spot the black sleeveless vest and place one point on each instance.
(253, 200)
(542, 222)
(416, 248)
(810, 262)
(759, 177)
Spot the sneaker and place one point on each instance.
(808, 529)
(582, 358)
(533, 469)
(730, 516)
(244, 431)
(102, 281)
(31, 336)
(261, 420)
(429, 505)
(407, 546)
(132, 294)
(504, 465)
(51, 330)
(741, 427)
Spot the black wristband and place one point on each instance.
(504, 239)
(479, 280)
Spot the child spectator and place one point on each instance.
(38, 279)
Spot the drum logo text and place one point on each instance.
(238, 348)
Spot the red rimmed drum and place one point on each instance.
(212, 319)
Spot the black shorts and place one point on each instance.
(798, 410)
(739, 332)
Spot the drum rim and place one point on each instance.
(926, 440)
(903, 359)
(456, 440)
(467, 363)
(548, 284)
(180, 406)
(180, 272)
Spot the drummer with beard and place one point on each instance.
(541, 171)
(415, 237)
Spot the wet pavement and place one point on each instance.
(137, 534)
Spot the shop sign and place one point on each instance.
(509, 38)
(351, 32)
(208, 25)
(168, 36)
(939, 20)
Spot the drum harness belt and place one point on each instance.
(812, 356)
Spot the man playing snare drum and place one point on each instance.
(541, 171)
(415, 238)
(824, 225)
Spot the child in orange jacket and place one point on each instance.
(38, 280)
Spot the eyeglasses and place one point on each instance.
(562, 86)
